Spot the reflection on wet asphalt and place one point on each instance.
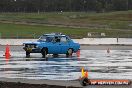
(114, 65)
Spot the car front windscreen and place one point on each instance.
(46, 38)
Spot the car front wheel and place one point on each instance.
(43, 53)
(27, 54)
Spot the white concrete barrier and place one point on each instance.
(96, 41)
(15, 41)
(99, 41)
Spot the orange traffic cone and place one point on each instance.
(7, 53)
(86, 74)
(78, 53)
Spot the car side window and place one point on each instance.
(67, 38)
(63, 39)
(57, 39)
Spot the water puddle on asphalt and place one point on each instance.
(114, 65)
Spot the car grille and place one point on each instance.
(30, 45)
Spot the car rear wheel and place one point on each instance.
(27, 54)
(44, 53)
(69, 52)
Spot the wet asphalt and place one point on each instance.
(83, 47)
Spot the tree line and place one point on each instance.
(64, 5)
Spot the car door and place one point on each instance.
(64, 44)
(54, 47)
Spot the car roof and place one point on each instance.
(55, 34)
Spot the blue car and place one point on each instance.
(54, 43)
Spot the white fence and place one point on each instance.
(96, 41)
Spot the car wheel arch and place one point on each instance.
(45, 49)
(71, 49)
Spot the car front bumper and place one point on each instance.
(32, 50)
